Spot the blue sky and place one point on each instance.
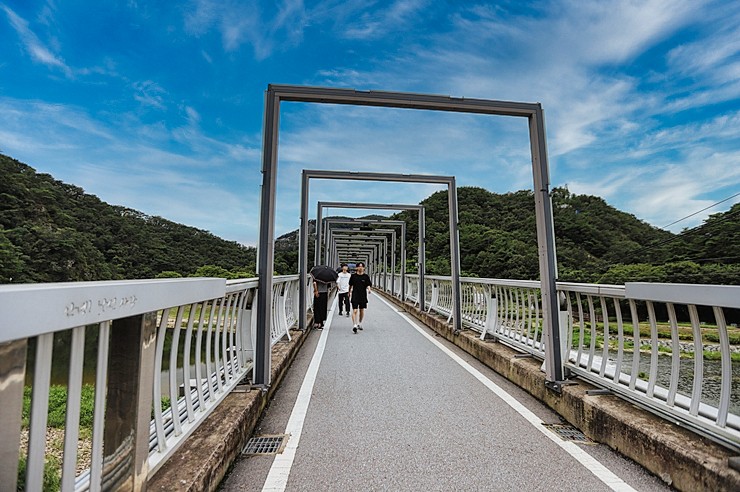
(158, 105)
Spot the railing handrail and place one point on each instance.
(209, 322)
(699, 294)
(64, 305)
(600, 324)
(605, 289)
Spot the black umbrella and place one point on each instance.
(324, 273)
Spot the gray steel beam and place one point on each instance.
(378, 222)
(266, 246)
(364, 233)
(421, 255)
(362, 252)
(368, 240)
(400, 100)
(545, 229)
(546, 248)
(449, 181)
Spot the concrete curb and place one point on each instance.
(679, 457)
(201, 463)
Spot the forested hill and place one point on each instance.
(52, 232)
(55, 232)
(595, 242)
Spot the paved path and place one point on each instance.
(392, 410)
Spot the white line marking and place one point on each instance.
(588, 461)
(277, 478)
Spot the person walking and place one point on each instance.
(343, 288)
(359, 288)
(320, 301)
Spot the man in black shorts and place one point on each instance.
(359, 288)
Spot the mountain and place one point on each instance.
(595, 242)
(51, 231)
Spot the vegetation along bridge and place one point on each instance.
(454, 382)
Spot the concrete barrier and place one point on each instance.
(202, 461)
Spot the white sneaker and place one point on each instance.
(359, 327)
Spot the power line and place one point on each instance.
(700, 211)
(687, 232)
(711, 259)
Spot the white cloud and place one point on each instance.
(33, 45)
(242, 23)
(193, 116)
(669, 190)
(149, 93)
(713, 54)
(375, 23)
(606, 129)
(204, 182)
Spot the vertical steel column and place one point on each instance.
(455, 257)
(327, 242)
(319, 227)
(393, 263)
(12, 376)
(546, 246)
(129, 403)
(403, 263)
(266, 252)
(303, 252)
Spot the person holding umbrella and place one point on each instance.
(322, 277)
(359, 288)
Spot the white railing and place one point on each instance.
(682, 369)
(170, 349)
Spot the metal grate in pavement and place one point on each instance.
(266, 444)
(567, 432)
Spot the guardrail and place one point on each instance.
(164, 353)
(665, 347)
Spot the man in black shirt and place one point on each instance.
(359, 288)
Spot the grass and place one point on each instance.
(57, 415)
(52, 474)
(58, 406)
(629, 345)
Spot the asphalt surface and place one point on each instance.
(391, 411)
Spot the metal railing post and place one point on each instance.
(129, 402)
(12, 375)
(303, 253)
(546, 250)
(266, 249)
(491, 313)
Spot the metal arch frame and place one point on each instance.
(329, 222)
(309, 174)
(390, 251)
(371, 252)
(421, 251)
(361, 257)
(363, 252)
(381, 255)
(276, 94)
(351, 235)
(389, 255)
(401, 223)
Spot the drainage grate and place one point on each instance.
(569, 433)
(266, 444)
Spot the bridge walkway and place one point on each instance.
(396, 408)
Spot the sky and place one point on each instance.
(158, 106)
